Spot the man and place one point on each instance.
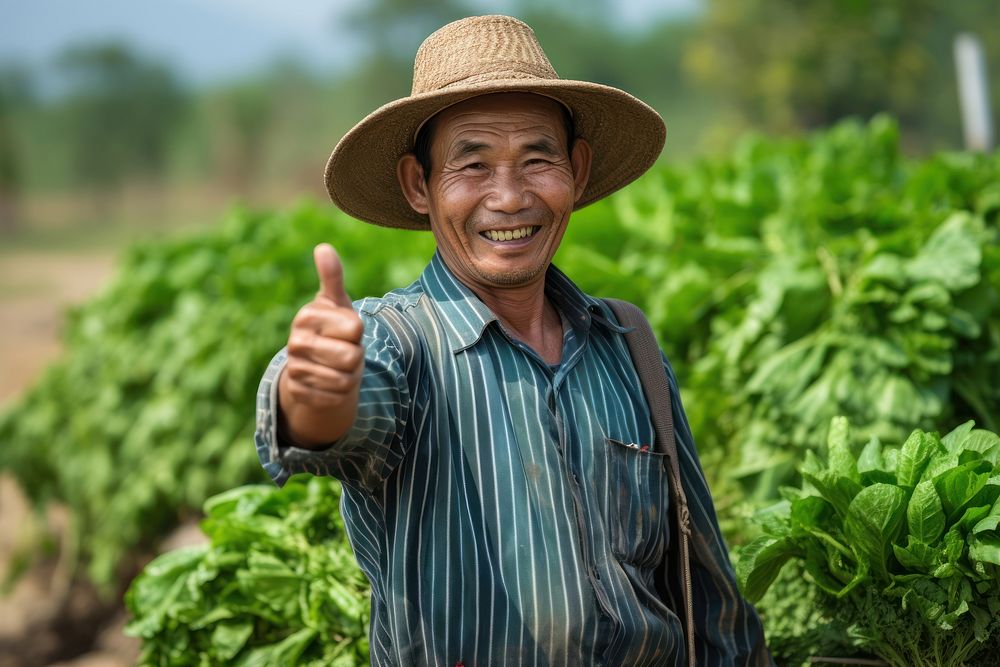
(487, 422)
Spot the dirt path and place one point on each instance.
(35, 289)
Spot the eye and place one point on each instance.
(475, 166)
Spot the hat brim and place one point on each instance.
(626, 136)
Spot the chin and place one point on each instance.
(512, 277)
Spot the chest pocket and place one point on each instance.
(639, 499)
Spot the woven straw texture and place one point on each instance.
(478, 56)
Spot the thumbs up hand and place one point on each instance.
(319, 387)
(331, 275)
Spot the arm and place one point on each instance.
(727, 627)
(318, 389)
(334, 401)
(374, 443)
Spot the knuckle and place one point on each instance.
(338, 382)
(354, 356)
(299, 392)
(298, 344)
(305, 313)
(349, 382)
(355, 327)
(293, 368)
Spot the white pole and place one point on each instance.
(973, 93)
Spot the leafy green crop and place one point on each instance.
(277, 585)
(151, 410)
(901, 541)
(800, 279)
(789, 282)
(796, 625)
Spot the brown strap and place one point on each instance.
(645, 353)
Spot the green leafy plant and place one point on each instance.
(902, 542)
(789, 281)
(796, 624)
(151, 409)
(276, 585)
(799, 279)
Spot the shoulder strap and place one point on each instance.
(645, 353)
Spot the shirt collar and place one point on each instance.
(465, 317)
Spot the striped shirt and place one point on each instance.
(509, 512)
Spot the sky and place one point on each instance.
(211, 40)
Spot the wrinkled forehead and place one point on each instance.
(499, 112)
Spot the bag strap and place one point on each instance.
(648, 363)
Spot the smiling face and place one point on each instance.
(503, 183)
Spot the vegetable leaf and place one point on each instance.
(873, 523)
(925, 514)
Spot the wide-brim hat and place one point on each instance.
(477, 56)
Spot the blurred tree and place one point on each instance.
(595, 13)
(242, 114)
(646, 61)
(583, 40)
(786, 65)
(263, 128)
(120, 114)
(16, 94)
(392, 31)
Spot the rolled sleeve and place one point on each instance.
(373, 445)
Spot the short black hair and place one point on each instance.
(425, 137)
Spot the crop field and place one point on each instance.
(832, 311)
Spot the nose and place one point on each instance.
(508, 193)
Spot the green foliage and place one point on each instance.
(790, 282)
(796, 625)
(151, 410)
(801, 279)
(276, 585)
(912, 566)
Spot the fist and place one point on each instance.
(325, 357)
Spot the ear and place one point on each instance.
(411, 180)
(580, 158)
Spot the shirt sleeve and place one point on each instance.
(374, 444)
(727, 628)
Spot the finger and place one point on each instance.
(330, 321)
(316, 398)
(320, 377)
(331, 275)
(330, 352)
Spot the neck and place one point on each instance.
(526, 314)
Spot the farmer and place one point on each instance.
(487, 421)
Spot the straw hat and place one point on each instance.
(477, 56)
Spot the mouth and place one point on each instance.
(509, 235)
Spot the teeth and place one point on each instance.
(509, 235)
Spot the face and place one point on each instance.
(501, 189)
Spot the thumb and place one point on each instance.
(331, 275)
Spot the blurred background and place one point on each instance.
(124, 121)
